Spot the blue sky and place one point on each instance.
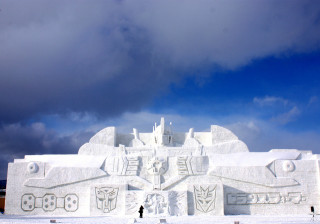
(71, 68)
(263, 89)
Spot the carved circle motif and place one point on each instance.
(288, 166)
(32, 167)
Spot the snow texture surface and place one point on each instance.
(4, 219)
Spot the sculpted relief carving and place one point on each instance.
(177, 203)
(191, 165)
(157, 166)
(106, 198)
(49, 202)
(288, 166)
(28, 202)
(159, 203)
(131, 203)
(264, 198)
(32, 167)
(122, 165)
(71, 202)
(205, 198)
(155, 204)
(168, 173)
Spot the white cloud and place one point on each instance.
(267, 136)
(287, 117)
(277, 105)
(313, 100)
(269, 101)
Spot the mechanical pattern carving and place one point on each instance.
(71, 202)
(182, 165)
(132, 167)
(49, 202)
(106, 198)
(155, 204)
(122, 165)
(264, 198)
(190, 165)
(156, 167)
(131, 203)
(28, 202)
(205, 198)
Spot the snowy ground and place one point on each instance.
(4, 219)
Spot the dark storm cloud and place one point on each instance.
(82, 57)
(108, 57)
(17, 140)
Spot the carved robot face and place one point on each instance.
(106, 192)
(205, 198)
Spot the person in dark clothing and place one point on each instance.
(141, 211)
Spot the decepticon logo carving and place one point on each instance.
(205, 198)
(106, 198)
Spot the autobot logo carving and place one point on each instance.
(205, 198)
(106, 198)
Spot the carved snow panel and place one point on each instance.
(157, 203)
(49, 203)
(107, 199)
(206, 199)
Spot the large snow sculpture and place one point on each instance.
(168, 173)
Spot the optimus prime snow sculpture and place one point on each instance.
(168, 173)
